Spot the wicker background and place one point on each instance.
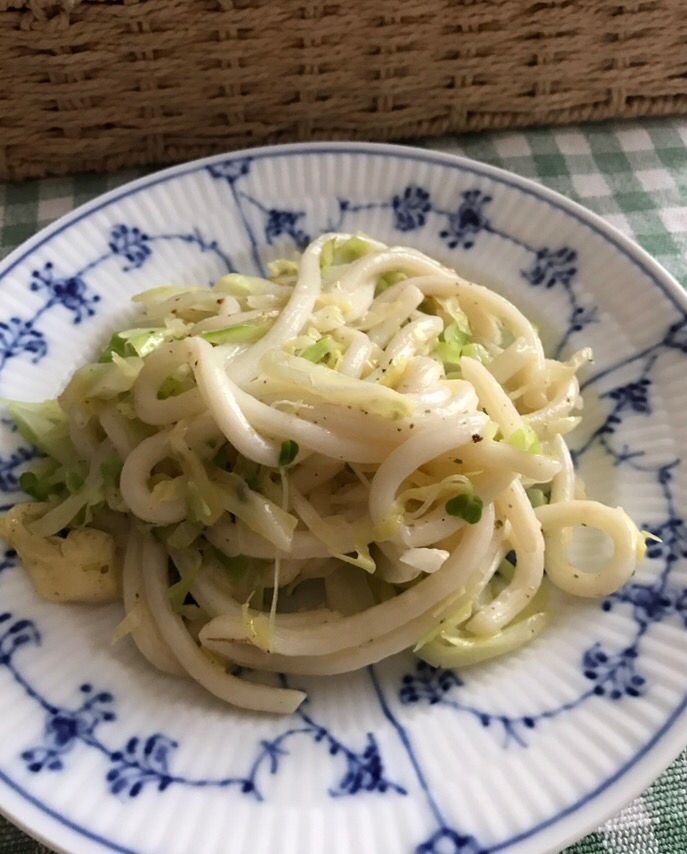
(100, 85)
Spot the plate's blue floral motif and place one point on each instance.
(465, 223)
(18, 336)
(614, 675)
(132, 244)
(445, 839)
(70, 291)
(634, 396)
(230, 170)
(285, 222)
(280, 223)
(277, 221)
(141, 761)
(64, 728)
(146, 762)
(411, 208)
(428, 684)
(363, 772)
(552, 267)
(652, 603)
(15, 634)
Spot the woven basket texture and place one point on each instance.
(102, 85)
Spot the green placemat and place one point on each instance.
(634, 174)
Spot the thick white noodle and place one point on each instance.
(471, 295)
(84, 438)
(491, 456)
(404, 460)
(493, 399)
(613, 521)
(528, 542)
(212, 591)
(205, 671)
(404, 345)
(352, 659)
(312, 436)
(513, 359)
(408, 300)
(385, 440)
(451, 580)
(437, 525)
(404, 636)
(134, 482)
(563, 483)
(157, 367)
(314, 472)
(357, 353)
(219, 394)
(118, 431)
(221, 321)
(233, 539)
(293, 316)
(561, 405)
(144, 632)
(425, 375)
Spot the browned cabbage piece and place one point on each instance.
(81, 567)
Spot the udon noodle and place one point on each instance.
(311, 472)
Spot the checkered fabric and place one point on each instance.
(635, 176)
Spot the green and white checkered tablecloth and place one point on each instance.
(633, 174)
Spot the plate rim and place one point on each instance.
(636, 254)
(654, 756)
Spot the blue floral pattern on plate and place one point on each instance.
(71, 292)
(145, 760)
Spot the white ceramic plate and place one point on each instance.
(525, 754)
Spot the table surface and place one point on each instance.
(634, 174)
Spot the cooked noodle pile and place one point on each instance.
(312, 472)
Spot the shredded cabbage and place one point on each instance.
(314, 470)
